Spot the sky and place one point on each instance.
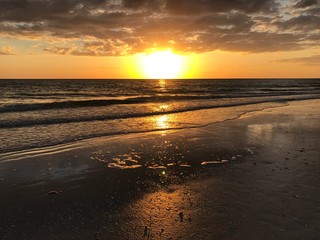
(110, 38)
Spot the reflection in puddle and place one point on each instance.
(122, 161)
(160, 153)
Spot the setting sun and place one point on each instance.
(162, 65)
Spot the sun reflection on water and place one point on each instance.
(162, 122)
(163, 107)
(162, 84)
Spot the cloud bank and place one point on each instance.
(124, 27)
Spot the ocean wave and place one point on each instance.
(135, 114)
(22, 107)
(94, 103)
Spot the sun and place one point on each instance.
(162, 65)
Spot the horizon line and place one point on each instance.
(156, 79)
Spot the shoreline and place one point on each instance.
(269, 191)
(212, 116)
(124, 126)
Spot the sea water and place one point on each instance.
(42, 113)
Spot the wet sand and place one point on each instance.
(254, 177)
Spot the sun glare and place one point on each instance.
(162, 65)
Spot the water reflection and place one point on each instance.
(162, 122)
(163, 107)
(162, 84)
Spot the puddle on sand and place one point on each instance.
(165, 151)
(165, 159)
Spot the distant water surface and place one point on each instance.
(38, 113)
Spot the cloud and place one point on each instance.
(58, 50)
(205, 6)
(311, 60)
(7, 50)
(306, 3)
(124, 27)
(302, 23)
(138, 4)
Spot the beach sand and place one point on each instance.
(253, 177)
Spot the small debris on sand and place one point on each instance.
(295, 196)
(181, 215)
(146, 232)
(53, 192)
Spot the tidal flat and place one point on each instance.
(255, 176)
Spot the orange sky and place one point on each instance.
(207, 65)
(109, 39)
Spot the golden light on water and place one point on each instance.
(162, 65)
(163, 107)
(162, 84)
(162, 122)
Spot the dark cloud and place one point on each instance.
(45, 10)
(306, 3)
(202, 6)
(138, 4)
(121, 27)
(302, 23)
(261, 42)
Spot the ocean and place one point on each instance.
(42, 113)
